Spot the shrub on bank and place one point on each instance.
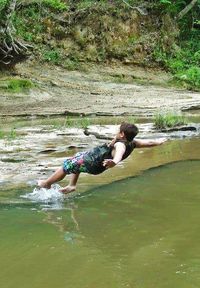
(169, 120)
(16, 85)
(190, 78)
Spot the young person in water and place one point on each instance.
(100, 158)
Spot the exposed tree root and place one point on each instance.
(11, 49)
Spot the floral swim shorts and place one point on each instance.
(75, 164)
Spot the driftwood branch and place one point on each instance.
(140, 10)
(187, 9)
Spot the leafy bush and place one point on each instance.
(28, 23)
(183, 63)
(16, 85)
(52, 56)
(190, 77)
(175, 65)
(2, 4)
(162, 121)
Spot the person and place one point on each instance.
(100, 158)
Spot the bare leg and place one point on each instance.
(57, 176)
(72, 184)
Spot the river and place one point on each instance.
(136, 225)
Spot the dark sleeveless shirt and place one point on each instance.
(93, 159)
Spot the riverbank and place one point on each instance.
(100, 90)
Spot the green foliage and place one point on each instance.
(56, 5)
(169, 120)
(2, 134)
(84, 122)
(71, 64)
(2, 4)
(183, 62)
(171, 6)
(81, 122)
(190, 77)
(16, 85)
(85, 4)
(28, 36)
(131, 120)
(197, 56)
(12, 135)
(132, 39)
(9, 135)
(166, 2)
(52, 56)
(28, 23)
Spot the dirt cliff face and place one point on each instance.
(98, 33)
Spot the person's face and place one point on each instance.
(121, 135)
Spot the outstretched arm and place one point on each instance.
(145, 143)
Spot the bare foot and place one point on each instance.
(68, 189)
(43, 184)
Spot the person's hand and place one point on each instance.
(108, 163)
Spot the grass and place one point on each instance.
(2, 134)
(163, 121)
(16, 85)
(52, 56)
(84, 122)
(9, 135)
(12, 135)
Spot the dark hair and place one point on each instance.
(130, 130)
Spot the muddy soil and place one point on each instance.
(102, 90)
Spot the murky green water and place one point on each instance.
(142, 232)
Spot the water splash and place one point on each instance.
(45, 195)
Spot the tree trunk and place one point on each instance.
(187, 9)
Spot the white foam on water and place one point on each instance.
(45, 195)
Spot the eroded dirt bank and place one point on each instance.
(100, 91)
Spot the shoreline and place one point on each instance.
(101, 91)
